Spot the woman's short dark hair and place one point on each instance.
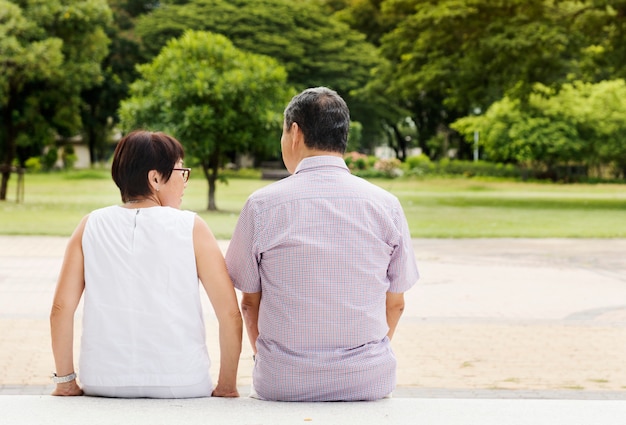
(323, 117)
(138, 153)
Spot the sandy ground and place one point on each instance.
(524, 314)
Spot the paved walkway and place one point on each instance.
(490, 318)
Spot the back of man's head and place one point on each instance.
(323, 117)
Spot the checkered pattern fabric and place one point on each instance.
(324, 247)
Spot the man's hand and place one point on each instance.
(225, 391)
(67, 389)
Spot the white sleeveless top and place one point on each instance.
(142, 320)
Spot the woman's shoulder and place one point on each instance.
(174, 212)
(177, 218)
(105, 211)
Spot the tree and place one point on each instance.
(386, 115)
(581, 124)
(49, 52)
(362, 15)
(210, 95)
(316, 49)
(101, 102)
(449, 57)
(598, 111)
(602, 23)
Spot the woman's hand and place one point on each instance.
(218, 286)
(67, 389)
(70, 286)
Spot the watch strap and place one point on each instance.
(63, 379)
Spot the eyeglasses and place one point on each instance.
(185, 172)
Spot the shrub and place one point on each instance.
(478, 168)
(418, 165)
(88, 174)
(389, 167)
(33, 164)
(69, 157)
(417, 161)
(241, 173)
(355, 160)
(50, 158)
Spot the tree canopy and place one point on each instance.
(315, 48)
(213, 97)
(49, 52)
(409, 69)
(582, 123)
(451, 57)
(101, 101)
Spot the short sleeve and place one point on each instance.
(402, 272)
(242, 257)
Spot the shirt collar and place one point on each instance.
(321, 161)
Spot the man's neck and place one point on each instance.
(308, 153)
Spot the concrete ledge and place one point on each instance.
(48, 410)
(408, 392)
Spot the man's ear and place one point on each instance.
(297, 137)
(153, 179)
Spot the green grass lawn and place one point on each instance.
(448, 208)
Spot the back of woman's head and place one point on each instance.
(139, 152)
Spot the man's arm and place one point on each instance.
(250, 309)
(395, 307)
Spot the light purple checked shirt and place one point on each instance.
(323, 247)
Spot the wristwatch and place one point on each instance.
(63, 379)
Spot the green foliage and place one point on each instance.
(100, 102)
(447, 167)
(90, 174)
(355, 160)
(33, 164)
(50, 158)
(440, 62)
(362, 15)
(315, 48)
(371, 167)
(213, 97)
(49, 52)
(241, 173)
(354, 136)
(601, 25)
(417, 161)
(422, 166)
(390, 168)
(449, 57)
(580, 124)
(69, 157)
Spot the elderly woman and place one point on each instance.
(138, 265)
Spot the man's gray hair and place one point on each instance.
(323, 117)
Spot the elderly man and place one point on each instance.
(322, 258)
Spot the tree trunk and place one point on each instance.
(212, 206)
(211, 171)
(9, 154)
(401, 143)
(6, 174)
(91, 136)
(209, 177)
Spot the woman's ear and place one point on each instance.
(153, 179)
